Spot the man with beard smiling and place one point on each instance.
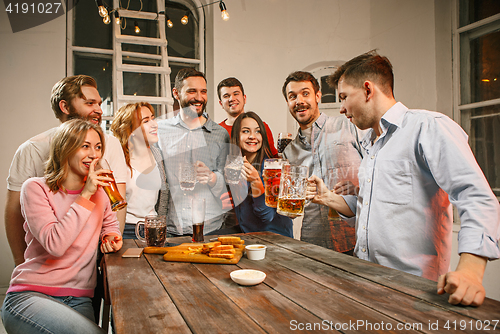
(191, 137)
(72, 97)
(322, 143)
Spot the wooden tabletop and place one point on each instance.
(307, 289)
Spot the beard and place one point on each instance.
(189, 112)
(73, 114)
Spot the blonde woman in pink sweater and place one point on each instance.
(66, 214)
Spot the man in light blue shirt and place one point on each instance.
(191, 137)
(416, 162)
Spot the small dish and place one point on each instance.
(256, 252)
(248, 276)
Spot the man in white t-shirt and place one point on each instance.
(72, 97)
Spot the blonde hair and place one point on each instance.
(126, 121)
(67, 140)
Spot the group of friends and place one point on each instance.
(411, 166)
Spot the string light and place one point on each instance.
(185, 19)
(106, 19)
(169, 22)
(117, 17)
(137, 29)
(103, 12)
(223, 9)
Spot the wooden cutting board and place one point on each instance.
(173, 255)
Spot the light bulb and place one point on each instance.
(106, 19)
(185, 19)
(117, 18)
(225, 15)
(170, 24)
(137, 29)
(103, 12)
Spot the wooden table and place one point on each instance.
(307, 289)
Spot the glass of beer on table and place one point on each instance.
(116, 200)
(271, 176)
(155, 230)
(293, 186)
(198, 208)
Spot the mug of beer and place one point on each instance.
(232, 171)
(293, 186)
(187, 176)
(271, 176)
(116, 200)
(345, 174)
(155, 230)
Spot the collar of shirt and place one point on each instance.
(320, 122)
(177, 120)
(393, 116)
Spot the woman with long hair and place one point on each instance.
(135, 127)
(66, 214)
(249, 134)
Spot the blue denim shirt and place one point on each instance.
(404, 219)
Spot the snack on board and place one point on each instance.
(223, 251)
(224, 256)
(231, 240)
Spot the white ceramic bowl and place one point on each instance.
(256, 252)
(248, 276)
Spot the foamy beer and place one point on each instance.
(293, 186)
(271, 176)
(116, 200)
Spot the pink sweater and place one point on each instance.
(62, 235)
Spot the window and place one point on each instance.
(136, 60)
(477, 85)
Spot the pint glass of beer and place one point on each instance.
(232, 171)
(284, 138)
(117, 201)
(271, 176)
(198, 207)
(293, 186)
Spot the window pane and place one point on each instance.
(89, 29)
(327, 93)
(99, 67)
(143, 84)
(181, 38)
(149, 49)
(480, 67)
(475, 10)
(484, 139)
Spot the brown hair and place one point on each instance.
(230, 82)
(67, 140)
(368, 66)
(126, 121)
(184, 74)
(300, 76)
(67, 89)
(265, 150)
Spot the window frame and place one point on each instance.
(479, 28)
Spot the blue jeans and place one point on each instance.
(34, 312)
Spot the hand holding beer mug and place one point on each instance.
(293, 187)
(155, 230)
(272, 175)
(117, 201)
(187, 176)
(198, 207)
(232, 171)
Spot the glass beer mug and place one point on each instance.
(293, 186)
